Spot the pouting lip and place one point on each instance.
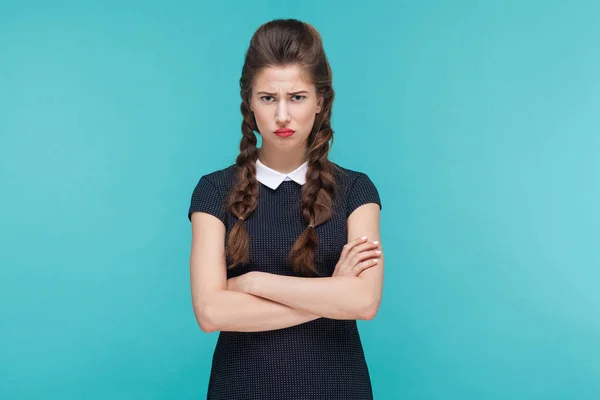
(284, 130)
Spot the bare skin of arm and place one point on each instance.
(219, 309)
(342, 296)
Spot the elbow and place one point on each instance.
(204, 317)
(370, 308)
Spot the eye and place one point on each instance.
(264, 98)
(300, 96)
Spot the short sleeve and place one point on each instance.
(207, 198)
(362, 191)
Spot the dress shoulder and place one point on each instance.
(358, 187)
(210, 193)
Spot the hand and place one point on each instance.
(240, 283)
(357, 256)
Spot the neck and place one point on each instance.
(281, 160)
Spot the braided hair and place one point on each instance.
(284, 42)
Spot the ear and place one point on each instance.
(319, 104)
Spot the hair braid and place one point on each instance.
(317, 200)
(284, 42)
(244, 195)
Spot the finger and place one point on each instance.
(365, 255)
(365, 247)
(351, 245)
(360, 267)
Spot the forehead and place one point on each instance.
(291, 77)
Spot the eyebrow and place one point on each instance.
(275, 94)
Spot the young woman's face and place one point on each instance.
(284, 98)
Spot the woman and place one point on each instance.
(285, 243)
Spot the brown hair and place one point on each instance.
(285, 42)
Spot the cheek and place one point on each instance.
(260, 118)
(308, 118)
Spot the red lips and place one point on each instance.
(282, 133)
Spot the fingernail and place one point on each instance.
(375, 242)
(363, 238)
(377, 251)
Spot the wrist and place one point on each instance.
(252, 279)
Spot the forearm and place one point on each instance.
(229, 310)
(341, 297)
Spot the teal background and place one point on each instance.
(477, 120)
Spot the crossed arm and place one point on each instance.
(262, 301)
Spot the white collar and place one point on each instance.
(273, 179)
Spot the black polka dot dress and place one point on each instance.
(322, 359)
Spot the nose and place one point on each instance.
(282, 115)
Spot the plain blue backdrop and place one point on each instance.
(478, 121)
